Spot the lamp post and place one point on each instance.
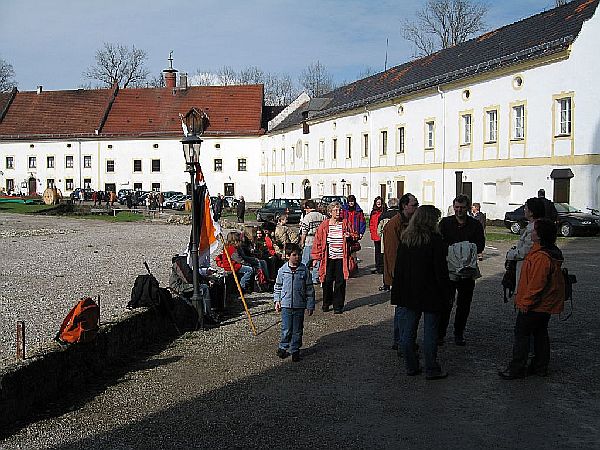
(191, 150)
(343, 187)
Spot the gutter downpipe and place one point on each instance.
(443, 95)
(371, 140)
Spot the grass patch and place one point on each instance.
(499, 234)
(22, 208)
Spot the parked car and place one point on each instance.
(168, 194)
(570, 221)
(174, 199)
(279, 206)
(230, 201)
(87, 194)
(179, 205)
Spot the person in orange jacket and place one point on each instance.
(541, 292)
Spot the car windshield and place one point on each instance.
(565, 208)
(292, 203)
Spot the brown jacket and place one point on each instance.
(391, 235)
(542, 285)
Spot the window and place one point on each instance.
(564, 105)
(10, 162)
(31, 162)
(69, 161)
(50, 183)
(519, 122)
(242, 165)
(365, 153)
(137, 165)
(489, 193)
(156, 165)
(292, 188)
(50, 163)
(384, 143)
(69, 184)
(429, 134)
(333, 189)
(466, 128)
(334, 149)
(218, 165)
(137, 186)
(10, 185)
(282, 157)
(349, 147)
(292, 155)
(274, 159)
(321, 150)
(156, 186)
(400, 147)
(283, 188)
(491, 126)
(110, 165)
(87, 162)
(229, 189)
(87, 183)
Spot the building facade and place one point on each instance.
(497, 118)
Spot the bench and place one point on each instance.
(118, 210)
(99, 211)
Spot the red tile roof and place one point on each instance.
(232, 110)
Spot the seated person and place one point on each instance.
(245, 272)
(247, 251)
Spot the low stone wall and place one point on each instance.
(27, 386)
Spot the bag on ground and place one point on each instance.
(81, 324)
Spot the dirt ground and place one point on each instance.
(225, 388)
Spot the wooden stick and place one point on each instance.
(238, 285)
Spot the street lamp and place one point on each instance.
(343, 187)
(191, 151)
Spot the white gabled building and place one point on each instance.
(497, 117)
(111, 139)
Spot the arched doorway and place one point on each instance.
(32, 186)
(307, 189)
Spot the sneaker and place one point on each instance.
(282, 353)
(385, 287)
(296, 356)
(326, 308)
(437, 376)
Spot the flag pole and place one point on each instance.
(238, 285)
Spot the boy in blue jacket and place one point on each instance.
(294, 293)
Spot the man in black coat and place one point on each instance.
(218, 207)
(550, 209)
(241, 210)
(458, 228)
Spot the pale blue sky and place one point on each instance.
(51, 42)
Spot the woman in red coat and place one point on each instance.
(330, 248)
(379, 207)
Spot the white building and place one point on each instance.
(497, 117)
(110, 139)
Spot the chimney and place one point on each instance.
(170, 74)
(183, 81)
(39, 90)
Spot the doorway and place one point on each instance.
(383, 191)
(307, 189)
(32, 186)
(399, 189)
(562, 188)
(467, 189)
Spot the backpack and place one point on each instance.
(145, 292)
(462, 261)
(81, 324)
(570, 280)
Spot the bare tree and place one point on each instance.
(157, 81)
(227, 76)
(444, 23)
(560, 2)
(204, 78)
(279, 90)
(7, 76)
(116, 63)
(316, 80)
(251, 75)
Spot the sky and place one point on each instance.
(52, 42)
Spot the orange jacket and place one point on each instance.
(541, 286)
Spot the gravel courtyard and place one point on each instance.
(224, 388)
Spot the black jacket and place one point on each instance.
(388, 214)
(421, 278)
(471, 231)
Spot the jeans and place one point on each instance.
(247, 273)
(334, 285)
(306, 260)
(410, 326)
(398, 317)
(528, 324)
(259, 264)
(464, 298)
(292, 327)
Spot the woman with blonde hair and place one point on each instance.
(422, 287)
(331, 249)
